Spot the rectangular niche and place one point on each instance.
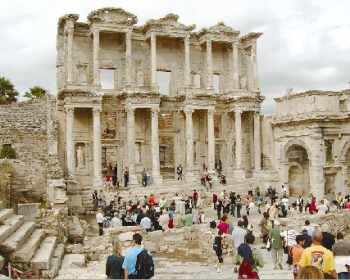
(107, 77)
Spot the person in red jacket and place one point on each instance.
(195, 198)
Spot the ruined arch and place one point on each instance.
(297, 158)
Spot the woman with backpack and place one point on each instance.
(248, 259)
(114, 262)
(217, 247)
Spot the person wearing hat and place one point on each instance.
(276, 245)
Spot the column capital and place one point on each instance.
(69, 109)
(130, 110)
(96, 110)
(188, 110)
(155, 110)
(238, 111)
(211, 111)
(235, 44)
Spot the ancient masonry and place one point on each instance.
(162, 94)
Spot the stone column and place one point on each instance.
(187, 71)
(155, 147)
(239, 172)
(228, 147)
(189, 145)
(69, 140)
(235, 65)
(128, 57)
(254, 67)
(96, 119)
(153, 59)
(131, 145)
(69, 62)
(209, 65)
(96, 64)
(317, 181)
(257, 142)
(211, 141)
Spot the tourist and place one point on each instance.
(114, 269)
(179, 172)
(95, 199)
(129, 264)
(164, 220)
(99, 221)
(146, 223)
(215, 200)
(328, 239)
(109, 174)
(152, 200)
(307, 239)
(217, 246)
(276, 245)
(319, 256)
(238, 205)
(273, 212)
(310, 272)
(195, 198)
(116, 221)
(300, 203)
(264, 228)
(233, 203)
(248, 259)
(309, 228)
(115, 176)
(289, 237)
(245, 221)
(238, 235)
(322, 209)
(284, 206)
(126, 177)
(144, 177)
(219, 208)
(296, 252)
(187, 219)
(223, 224)
(313, 205)
(341, 246)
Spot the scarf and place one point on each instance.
(246, 253)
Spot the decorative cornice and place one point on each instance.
(112, 15)
(167, 23)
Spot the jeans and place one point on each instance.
(233, 209)
(277, 255)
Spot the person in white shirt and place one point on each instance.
(238, 235)
(164, 220)
(146, 223)
(309, 228)
(322, 209)
(99, 220)
(116, 222)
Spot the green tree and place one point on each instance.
(35, 93)
(8, 93)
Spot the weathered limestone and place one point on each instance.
(153, 59)
(189, 145)
(96, 64)
(257, 142)
(43, 255)
(97, 146)
(128, 57)
(211, 141)
(131, 145)
(69, 140)
(187, 72)
(238, 172)
(235, 65)
(209, 64)
(18, 238)
(155, 146)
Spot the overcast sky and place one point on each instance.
(306, 43)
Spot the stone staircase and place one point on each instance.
(28, 248)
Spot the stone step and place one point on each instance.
(56, 262)
(11, 224)
(18, 238)
(4, 214)
(26, 252)
(43, 255)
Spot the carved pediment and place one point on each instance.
(219, 28)
(112, 15)
(68, 17)
(250, 36)
(170, 21)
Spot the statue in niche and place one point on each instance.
(82, 73)
(80, 156)
(243, 82)
(139, 76)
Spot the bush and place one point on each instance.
(7, 152)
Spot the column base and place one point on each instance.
(133, 179)
(258, 173)
(239, 174)
(157, 180)
(189, 178)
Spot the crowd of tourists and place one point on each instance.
(310, 251)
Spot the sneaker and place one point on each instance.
(280, 266)
(218, 270)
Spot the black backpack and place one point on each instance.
(144, 265)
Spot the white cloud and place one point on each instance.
(305, 43)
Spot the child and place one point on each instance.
(217, 246)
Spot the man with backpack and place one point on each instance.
(138, 263)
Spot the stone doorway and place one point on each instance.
(298, 170)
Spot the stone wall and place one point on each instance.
(24, 126)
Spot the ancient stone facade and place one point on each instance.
(311, 141)
(174, 96)
(159, 95)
